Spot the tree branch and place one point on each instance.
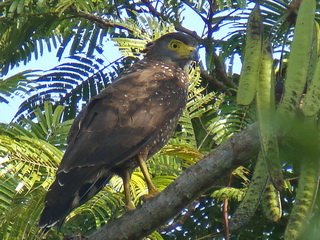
(194, 181)
(103, 23)
(178, 26)
(217, 85)
(221, 71)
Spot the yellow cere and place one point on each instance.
(182, 49)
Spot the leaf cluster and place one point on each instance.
(31, 147)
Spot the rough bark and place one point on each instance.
(192, 182)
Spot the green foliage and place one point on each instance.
(13, 85)
(231, 120)
(31, 147)
(28, 27)
(20, 218)
(103, 207)
(48, 126)
(69, 84)
(27, 152)
(24, 30)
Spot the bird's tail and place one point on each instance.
(70, 190)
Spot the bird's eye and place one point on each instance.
(174, 45)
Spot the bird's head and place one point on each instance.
(175, 47)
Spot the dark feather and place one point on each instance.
(111, 130)
(59, 202)
(136, 114)
(125, 117)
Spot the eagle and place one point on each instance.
(122, 127)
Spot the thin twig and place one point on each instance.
(182, 218)
(160, 16)
(100, 21)
(221, 71)
(217, 85)
(195, 10)
(226, 211)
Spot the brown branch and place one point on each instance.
(152, 10)
(182, 218)
(100, 21)
(225, 218)
(194, 34)
(160, 16)
(225, 212)
(212, 9)
(221, 72)
(195, 10)
(217, 85)
(195, 180)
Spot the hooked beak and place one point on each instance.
(194, 54)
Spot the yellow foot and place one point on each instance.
(130, 207)
(148, 196)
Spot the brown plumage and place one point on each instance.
(122, 127)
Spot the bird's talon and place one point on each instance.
(130, 207)
(148, 196)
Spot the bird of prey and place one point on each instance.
(123, 126)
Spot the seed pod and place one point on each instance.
(317, 37)
(311, 104)
(266, 111)
(305, 198)
(271, 203)
(252, 55)
(250, 202)
(298, 60)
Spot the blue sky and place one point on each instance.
(49, 60)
